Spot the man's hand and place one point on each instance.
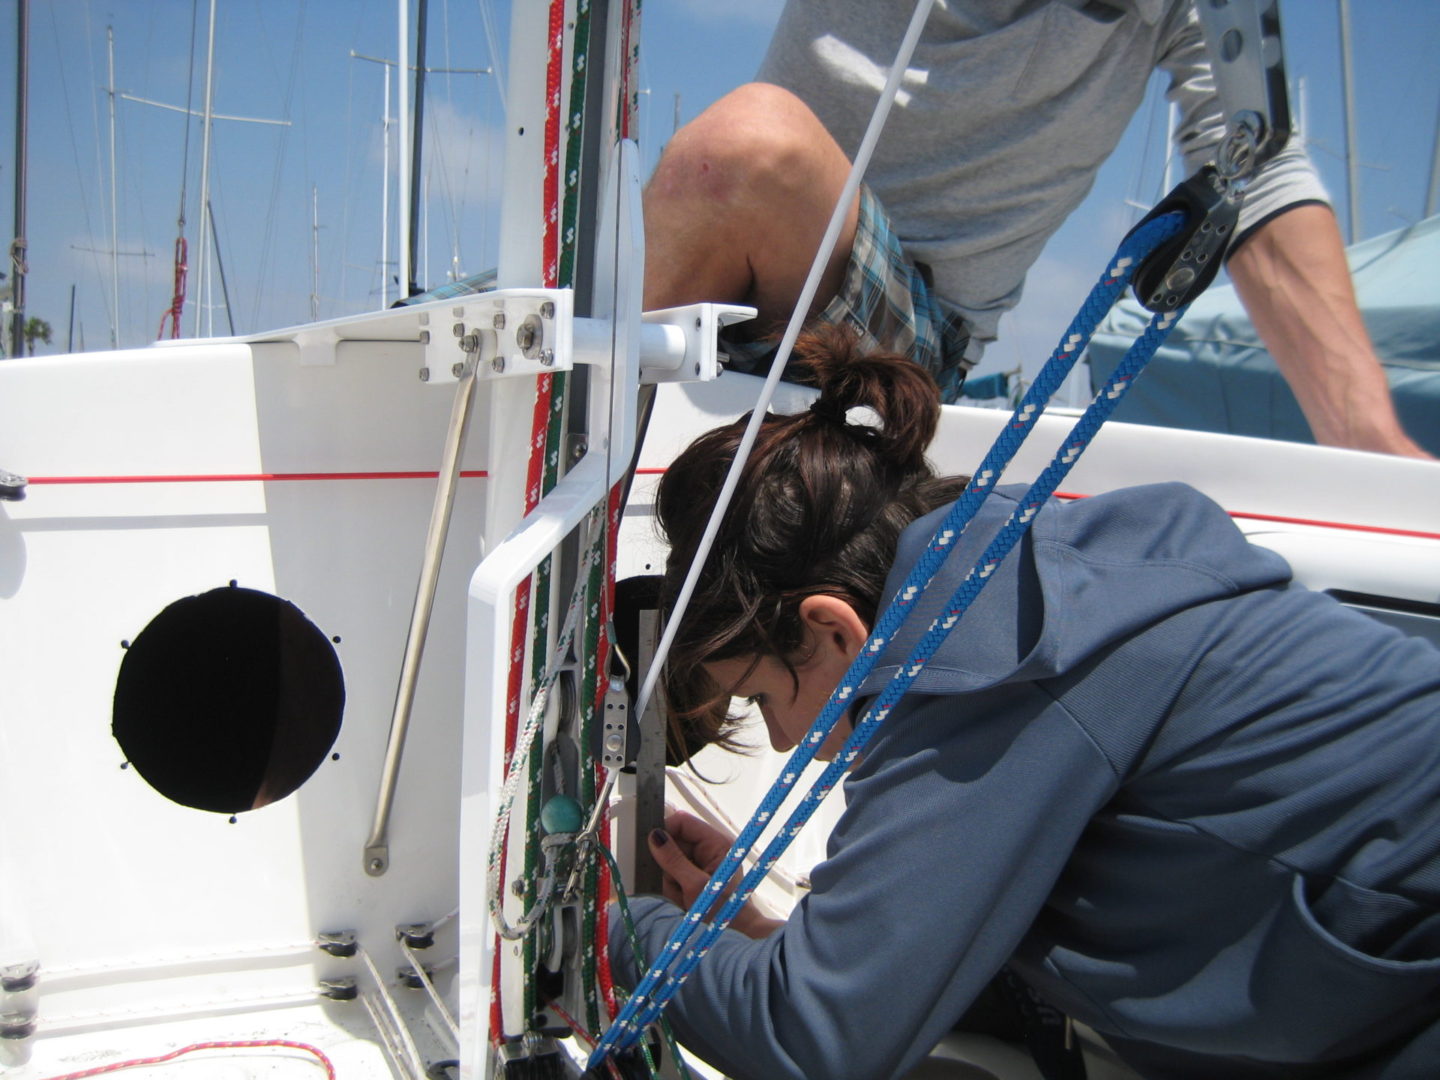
(688, 851)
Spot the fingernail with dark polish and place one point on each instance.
(659, 837)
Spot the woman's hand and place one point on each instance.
(688, 851)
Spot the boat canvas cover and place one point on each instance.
(1213, 373)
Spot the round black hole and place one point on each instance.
(229, 700)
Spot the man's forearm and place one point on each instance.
(1295, 283)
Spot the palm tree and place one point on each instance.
(35, 328)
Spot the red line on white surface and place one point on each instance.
(245, 478)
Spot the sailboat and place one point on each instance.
(252, 770)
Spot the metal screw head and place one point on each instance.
(457, 370)
(497, 365)
(525, 336)
(424, 337)
(499, 320)
(470, 343)
(547, 309)
(547, 357)
(424, 374)
(458, 329)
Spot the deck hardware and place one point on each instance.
(17, 1025)
(339, 989)
(470, 343)
(338, 943)
(497, 364)
(424, 374)
(530, 336)
(458, 329)
(547, 357)
(17, 978)
(411, 979)
(547, 309)
(499, 321)
(12, 486)
(457, 369)
(416, 935)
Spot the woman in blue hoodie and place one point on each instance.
(1189, 803)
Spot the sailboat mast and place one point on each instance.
(17, 245)
(202, 277)
(385, 200)
(402, 120)
(114, 212)
(314, 253)
(1352, 153)
(416, 141)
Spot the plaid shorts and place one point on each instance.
(888, 300)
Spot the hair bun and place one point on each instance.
(900, 399)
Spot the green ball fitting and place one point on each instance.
(561, 814)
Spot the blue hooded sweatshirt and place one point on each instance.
(1193, 805)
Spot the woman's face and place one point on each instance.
(788, 706)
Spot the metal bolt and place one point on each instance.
(497, 365)
(424, 374)
(524, 336)
(378, 865)
(547, 309)
(470, 342)
(424, 337)
(517, 887)
(499, 320)
(457, 370)
(547, 357)
(458, 329)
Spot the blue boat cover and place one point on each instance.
(1213, 374)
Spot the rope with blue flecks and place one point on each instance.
(660, 983)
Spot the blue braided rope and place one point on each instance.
(660, 983)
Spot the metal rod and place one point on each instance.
(377, 846)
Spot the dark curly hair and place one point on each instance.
(819, 509)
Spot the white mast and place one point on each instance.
(1352, 152)
(402, 116)
(114, 223)
(314, 253)
(385, 201)
(202, 267)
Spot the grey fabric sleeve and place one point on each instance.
(955, 830)
(1289, 179)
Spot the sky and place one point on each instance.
(283, 193)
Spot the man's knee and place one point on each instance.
(756, 137)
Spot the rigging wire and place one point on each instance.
(75, 150)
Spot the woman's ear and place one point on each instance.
(831, 622)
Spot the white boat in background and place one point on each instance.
(264, 502)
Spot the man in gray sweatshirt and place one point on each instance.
(1003, 119)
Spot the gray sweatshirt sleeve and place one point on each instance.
(1287, 180)
(957, 824)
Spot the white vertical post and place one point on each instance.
(202, 268)
(402, 118)
(114, 222)
(385, 199)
